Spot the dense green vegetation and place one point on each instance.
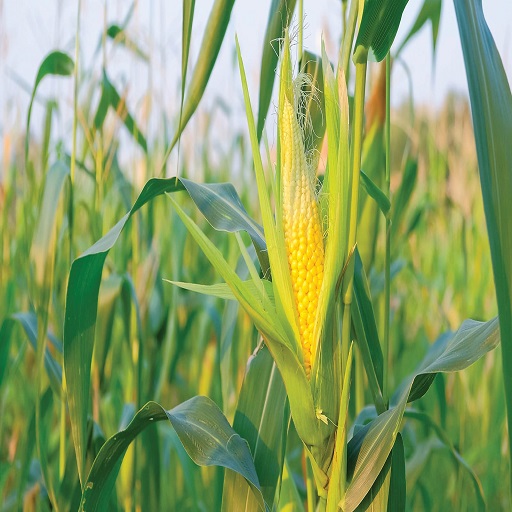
(120, 390)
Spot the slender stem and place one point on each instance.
(310, 485)
(359, 394)
(387, 264)
(348, 37)
(75, 95)
(62, 426)
(301, 29)
(344, 16)
(357, 144)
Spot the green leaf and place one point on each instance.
(430, 11)
(5, 347)
(222, 290)
(43, 432)
(332, 114)
(210, 46)
(289, 499)
(261, 418)
(376, 500)
(379, 25)
(445, 443)
(109, 292)
(25, 458)
(491, 107)
(42, 252)
(403, 197)
(370, 447)
(28, 322)
(186, 36)
(261, 311)
(337, 481)
(118, 35)
(397, 484)
(222, 208)
(373, 163)
(110, 98)
(281, 279)
(365, 328)
(85, 277)
(81, 313)
(204, 432)
(375, 193)
(55, 63)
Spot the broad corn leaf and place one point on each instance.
(202, 429)
(491, 108)
(370, 447)
(262, 395)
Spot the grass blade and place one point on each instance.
(202, 429)
(210, 47)
(55, 63)
(430, 11)
(111, 98)
(379, 25)
(368, 456)
(262, 394)
(81, 313)
(491, 107)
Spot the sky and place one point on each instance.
(29, 29)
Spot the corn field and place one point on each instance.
(315, 315)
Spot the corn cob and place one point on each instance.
(302, 230)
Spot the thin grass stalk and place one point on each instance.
(42, 323)
(357, 144)
(387, 263)
(75, 95)
(359, 380)
(310, 485)
(301, 30)
(62, 426)
(343, 16)
(348, 38)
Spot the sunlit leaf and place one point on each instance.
(55, 63)
(262, 394)
(204, 432)
(379, 25)
(370, 447)
(210, 46)
(491, 108)
(110, 98)
(430, 11)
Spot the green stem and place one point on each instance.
(301, 29)
(62, 426)
(75, 96)
(310, 486)
(357, 144)
(343, 16)
(387, 269)
(348, 37)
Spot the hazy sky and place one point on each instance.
(29, 29)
